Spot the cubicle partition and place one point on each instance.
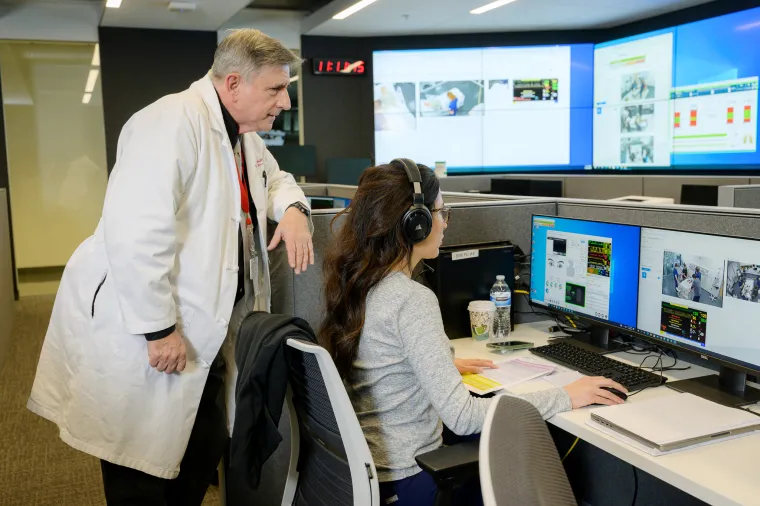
(707, 220)
(592, 186)
(471, 223)
(6, 278)
(746, 196)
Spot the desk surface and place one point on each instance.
(721, 474)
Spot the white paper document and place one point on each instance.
(519, 370)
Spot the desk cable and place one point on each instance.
(571, 449)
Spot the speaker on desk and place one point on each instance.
(465, 273)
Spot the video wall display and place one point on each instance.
(680, 98)
(486, 109)
(683, 98)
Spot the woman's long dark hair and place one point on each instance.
(368, 246)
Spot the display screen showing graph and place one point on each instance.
(683, 97)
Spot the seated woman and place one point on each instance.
(385, 333)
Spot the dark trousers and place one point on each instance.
(208, 441)
(420, 489)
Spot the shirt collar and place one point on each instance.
(233, 129)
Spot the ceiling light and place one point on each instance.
(86, 98)
(353, 9)
(96, 56)
(113, 4)
(491, 6)
(91, 80)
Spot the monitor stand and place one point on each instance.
(728, 388)
(598, 341)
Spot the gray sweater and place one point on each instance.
(404, 381)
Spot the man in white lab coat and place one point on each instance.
(133, 362)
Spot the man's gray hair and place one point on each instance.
(247, 51)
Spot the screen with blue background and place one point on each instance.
(700, 111)
(493, 109)
(620, 287)
(721, 53)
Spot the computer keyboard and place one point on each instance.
(593, 364)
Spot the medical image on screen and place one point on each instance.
(395, 106)
(575, 295)
(692, 277)
(637, 86)
(637, 150)
(532, 90)
(637, 119)
(684, 322)
(743, 281)
(559, 246)
(451, 98)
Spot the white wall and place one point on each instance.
(282, 25)
(71, 22)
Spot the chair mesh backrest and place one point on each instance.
(524, 464)
(324, 473)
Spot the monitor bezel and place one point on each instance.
(707, 355)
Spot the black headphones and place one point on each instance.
(417, 222)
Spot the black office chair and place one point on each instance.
(330, 459)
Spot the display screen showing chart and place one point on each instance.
(684, 97)
(485, 109)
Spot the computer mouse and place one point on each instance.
(616, 392)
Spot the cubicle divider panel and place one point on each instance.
(470, 224)
(466, 183)
(6, 279)
(670, 186)
(602, 187)
(747, 197)
(706, 220)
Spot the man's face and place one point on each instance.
(259, 100)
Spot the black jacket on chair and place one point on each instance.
(263, 371)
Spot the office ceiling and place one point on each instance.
(208, 15)
(418, 17)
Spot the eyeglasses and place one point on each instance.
(445, 213)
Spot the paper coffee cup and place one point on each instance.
(482, 313)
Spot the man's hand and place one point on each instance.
(473, 365)
(168, 354)
(294, 230)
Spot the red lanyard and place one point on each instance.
(244, 204)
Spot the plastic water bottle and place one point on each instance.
(502, 297)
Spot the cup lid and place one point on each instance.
(481, 305)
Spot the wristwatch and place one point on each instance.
(305, 210)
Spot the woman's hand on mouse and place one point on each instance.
(588, 390)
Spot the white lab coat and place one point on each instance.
(165, 252)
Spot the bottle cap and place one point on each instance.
(500, 277)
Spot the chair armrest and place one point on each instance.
(459, 461)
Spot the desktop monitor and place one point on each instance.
(700, 293)
(527, 187)
(589, 270)
(699, 195)
(465, 273)
(297, 160)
